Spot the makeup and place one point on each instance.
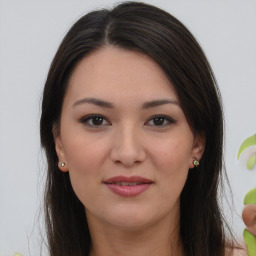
(128, 186)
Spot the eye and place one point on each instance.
(94, 120)
(160, 120)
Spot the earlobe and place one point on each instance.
(60, 152)
(197, 150)
(62, 166)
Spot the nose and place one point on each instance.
(127, 148)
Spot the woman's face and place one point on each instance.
(125, 140)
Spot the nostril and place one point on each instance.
(127, 163)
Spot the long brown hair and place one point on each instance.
(152, 31)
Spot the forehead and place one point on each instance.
(117, 74)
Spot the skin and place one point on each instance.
(249, 217)
(127, 142)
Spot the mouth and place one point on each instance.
(126, 183)
(128, 186)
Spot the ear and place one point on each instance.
(198, 149)
(62, 164)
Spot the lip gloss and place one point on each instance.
(128, 186)
(128, 191)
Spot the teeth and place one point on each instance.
(127, 183)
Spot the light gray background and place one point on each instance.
(30, 32)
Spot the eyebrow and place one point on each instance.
(97, 102)
(105, 104)
(156, 103)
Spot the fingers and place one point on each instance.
(249, 218)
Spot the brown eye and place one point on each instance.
(160, 120)
(97, 120)
(94, 120)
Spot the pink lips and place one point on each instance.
(128, 186)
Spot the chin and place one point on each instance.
(131, 222)
(134, 217)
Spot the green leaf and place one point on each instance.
(250, 241)
(250, 197)
(250, 141)
(251, 162)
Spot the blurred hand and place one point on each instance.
(249, 218)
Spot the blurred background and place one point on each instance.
(30, 32)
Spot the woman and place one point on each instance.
(132, 128)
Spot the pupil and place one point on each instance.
(97, 120)
(158, 121)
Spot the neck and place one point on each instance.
(158, 239)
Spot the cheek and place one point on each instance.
(172, 155)
(84, 153)
(171, 160)
(85, 158)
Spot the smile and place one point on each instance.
(128, 186)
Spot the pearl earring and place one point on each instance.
(62, 164)
(196, 163)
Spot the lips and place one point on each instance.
(128, 186)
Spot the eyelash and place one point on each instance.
(89, 118)
(85, 120)
(166, 118)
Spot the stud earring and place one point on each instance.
(62, 164)
(196, 163)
